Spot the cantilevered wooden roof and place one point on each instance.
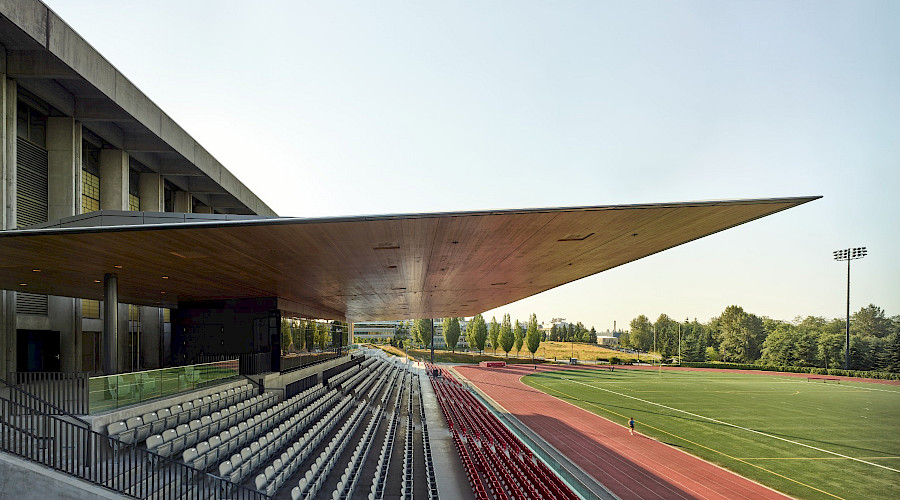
(366, 267)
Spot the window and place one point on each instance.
(31, 124)
(90, 192)
(134, 179)
(90, 309)
(134, 203)
(90, 175)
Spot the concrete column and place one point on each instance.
(151, 190)
(151, 337)
(109, 358)
(113, 179)
(7, 210)
(63, 166)
(64, 183)
(183, 202)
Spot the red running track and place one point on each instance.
(631, 467)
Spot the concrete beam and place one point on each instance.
(37, 64)
(99, 109)
(138, 142)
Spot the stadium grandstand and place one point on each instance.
(166, 335)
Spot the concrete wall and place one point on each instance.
(221, 327)
(24, 480)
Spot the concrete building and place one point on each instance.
(79, 137)
(607, 340)
(125, 246)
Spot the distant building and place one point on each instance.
(607, 340)
(383, 331)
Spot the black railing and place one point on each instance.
(69, 392)
(294, 388)
(327, 374)
(293, 362)
(128, 469)
(250, 363)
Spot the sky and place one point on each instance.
(349, 108)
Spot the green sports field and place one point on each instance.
(807, 439)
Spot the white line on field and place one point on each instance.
(737, 426)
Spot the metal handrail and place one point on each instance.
(104, 460)
(31, 396)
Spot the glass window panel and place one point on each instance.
(90, 308)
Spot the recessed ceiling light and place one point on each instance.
(165, 277)
(23, 284)
(35, 270)
(163, 292)
(96, 281)
(118, 267)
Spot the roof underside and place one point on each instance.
(363, 268)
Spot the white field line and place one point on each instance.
(739, 427)
(841, 385)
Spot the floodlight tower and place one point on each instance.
(848, 254)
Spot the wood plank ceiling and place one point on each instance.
(363, 268)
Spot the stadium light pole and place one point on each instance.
(848, 254)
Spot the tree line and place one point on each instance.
(503, 335)
(741, 337)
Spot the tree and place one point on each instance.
(741, 335)
(401, 334)
(298, 336)
(506, 338)
(554, 333)
(479, 332)
(321, 334)
(494, 333)
(519, 335)
(831, 348)
(286, 326)
(666, 331)
(533, 335)
(451, 332)
(870, 322)
(641, 337)
(592, 336)
(422, 331)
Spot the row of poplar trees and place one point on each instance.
(504, 335)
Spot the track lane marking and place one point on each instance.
(736, 426)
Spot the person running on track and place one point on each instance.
(631, 425)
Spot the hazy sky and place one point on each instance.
(327, 108)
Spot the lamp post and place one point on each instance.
(848, 254)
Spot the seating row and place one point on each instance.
(274, 475)
(309, 485)
(173, 441)
(241, 465)
(137, 429)
(487, 446)
(207, 453)
(347, 484)
(384, 458)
